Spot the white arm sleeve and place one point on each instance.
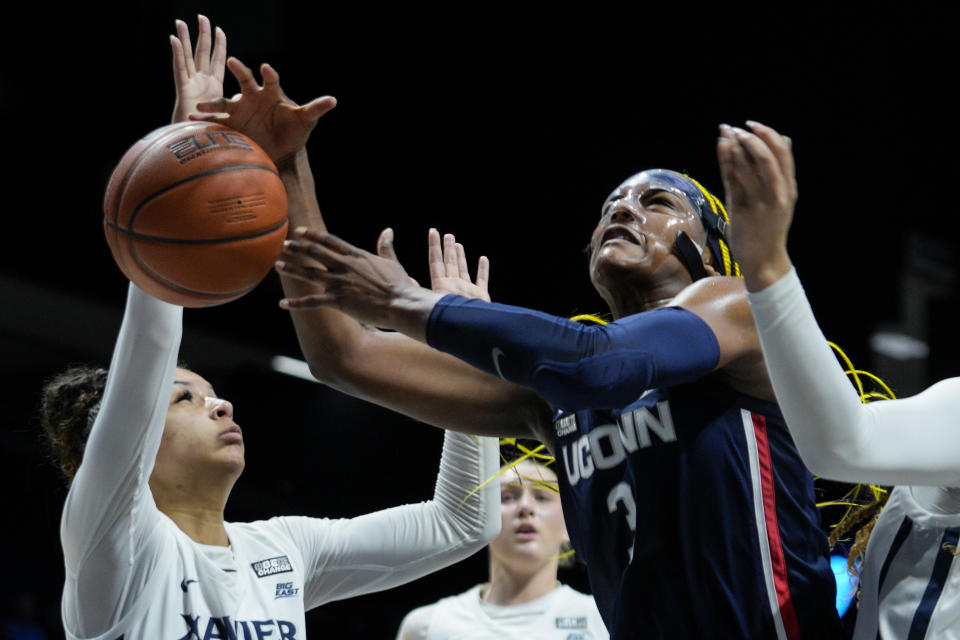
(381, 550)
(109, 508)
(911, 441)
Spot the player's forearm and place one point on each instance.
(570, 365)
(328, 338)
(388, 548)
(907, 441)
(821, 408)
(123, 443)
(304, 210)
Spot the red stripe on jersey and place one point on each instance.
(779, 564)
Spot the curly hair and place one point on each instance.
(68, 407)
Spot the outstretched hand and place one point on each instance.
(197, 75)
(265, 113)
(761, 190)
(449, 272)
(374, 289)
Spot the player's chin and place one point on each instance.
(232, 458)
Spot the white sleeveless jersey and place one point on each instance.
(911, 579)
(131, 573)
(562, 614)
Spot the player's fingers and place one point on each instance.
(243, 74)
(220, 118)
(217, 105)
(179, 63)
(201, 56)
(385, 245)
(483, 274)
(462, 267)
(732, 186)
(219, 60)
(295, 251)
(183, 33)
(327, 243)
(782, 148)
(743, 165)
(450, 267)
(314, 301)
(766, 167)
(435, 255)
(299, 271)
(270, 76)
(316, 108)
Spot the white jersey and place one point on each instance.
(562, 614)
(910, 587)
(911, 578)
(131, 573)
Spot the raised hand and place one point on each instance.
(265, 113)
(761, 190)
(375, 290)
(448, 268)
(197, 75)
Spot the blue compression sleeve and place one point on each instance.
(570, 365)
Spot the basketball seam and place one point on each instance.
(123, 187)
(209, 172)
(133, 235)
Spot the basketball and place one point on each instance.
(195, 214)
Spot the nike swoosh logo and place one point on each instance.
(183, 585)
(497, 353)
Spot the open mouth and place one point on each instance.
(620, 232)
(525, 529)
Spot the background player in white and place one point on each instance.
(523, 598)
(911, 575)
(151, 454)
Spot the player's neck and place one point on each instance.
(641, 297)
(202, 524)
(197, 509)
(509, 586)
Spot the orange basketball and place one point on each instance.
(195, 214)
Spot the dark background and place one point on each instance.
(506, 126)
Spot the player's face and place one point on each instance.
(200, 433)
(637, 231)
(532, 526)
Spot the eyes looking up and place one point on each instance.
(653, 199)
(187, 395)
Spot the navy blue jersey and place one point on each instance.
(696, 518)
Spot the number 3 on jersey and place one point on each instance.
(621, 494)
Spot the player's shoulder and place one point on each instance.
(725, 290)
(416, 624)
(282, 532)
